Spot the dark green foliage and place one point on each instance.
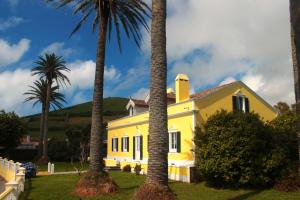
(239, 149)
(137, 169)
(126, 168)
(58, 150)
(78, 138)
(11, 130)
(285, 136)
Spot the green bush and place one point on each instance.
(12, 129)
(58, 150)
(126, 168)
(238, 149)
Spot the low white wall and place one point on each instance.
(14, 174)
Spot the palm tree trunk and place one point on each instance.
(40, 150)
(295, 43)
(46, 114)
(158, 119)
(96, 141)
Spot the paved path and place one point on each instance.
(2, 184)
(44, 173)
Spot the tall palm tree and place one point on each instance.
(295, 43)
(37, 93)
(157, 173)
(158, 118)
(107, 14)
(52, 68)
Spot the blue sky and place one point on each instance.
(213, 46)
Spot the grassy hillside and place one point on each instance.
(59, 120)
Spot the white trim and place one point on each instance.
(123, 143)
(173, 150)
(178, 177)
(170, 105)
(175, 163)
(147, 120)
(194, 124)
(113, 144)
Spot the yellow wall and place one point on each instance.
(182, 86)
(223, 100)
(183, 117)
(183, 123)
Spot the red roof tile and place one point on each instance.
(140, 103)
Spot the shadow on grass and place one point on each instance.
(27, 190)
(246, 195)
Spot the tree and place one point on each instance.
(37, 93)
(107, 15)
(78, 141)
(11, 130)
(282, 108)
(51, 68)
(295, 43)
(156, 186)
(239, 149)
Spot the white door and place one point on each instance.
(137, 148)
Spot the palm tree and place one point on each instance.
(108, 14)
(295, 40)
(156, 185)
(37, 93)
(51, 68)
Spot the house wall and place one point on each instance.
(180, 119)
(223, 100)
(183, 117)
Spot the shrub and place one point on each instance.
(127, 168)
(138, 169)
(238, 149)
(58, 150)
(290, 183)
(11, 130)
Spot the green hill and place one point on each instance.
(59, 120)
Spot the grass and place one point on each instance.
(61, 187)
(63, 166)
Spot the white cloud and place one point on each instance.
(228, 80)
(82, 77)
(13, 85)
(59, 49)
(212, 40)
(11, 53)
(141, 93)
(10, 22)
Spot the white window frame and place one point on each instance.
(125, 144)
(173, 141)
(243, 102)
(114, 143)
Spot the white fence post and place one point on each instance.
(49, 167)
(52, 168)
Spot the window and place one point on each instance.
(114, 144)
(125, 144)
(131, 111)
(174, 142)
(240, 103)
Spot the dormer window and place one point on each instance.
(240, 103)
(131, 111)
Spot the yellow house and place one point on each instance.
(128, 136)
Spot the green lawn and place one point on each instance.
(61, 187)
(63, 166)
